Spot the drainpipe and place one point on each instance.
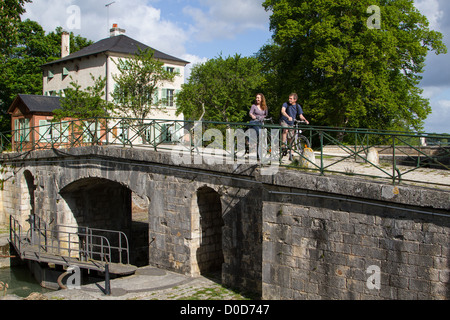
(107, 78)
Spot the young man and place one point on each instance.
(289, 112)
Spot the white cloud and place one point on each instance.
(438, 121)
(224, 19)
(193, 59)
(432, 91)
(431, 9)
(50, 13)
(144, 23)
(140, 20)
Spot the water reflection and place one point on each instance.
(20, 281)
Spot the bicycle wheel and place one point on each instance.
(273, 150)
(300, 145)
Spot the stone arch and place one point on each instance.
(98, 203)
(104, 204)
(207, 223)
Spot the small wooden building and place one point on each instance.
(28, 113)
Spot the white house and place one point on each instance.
(99, 59)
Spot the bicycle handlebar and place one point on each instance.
(271, 120)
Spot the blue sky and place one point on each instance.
(197, 30)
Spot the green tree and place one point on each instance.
(88, 103)
(10, 11)
(224, 87)
(346, 72)
(137, 84)
(84, 103)
(21, 64)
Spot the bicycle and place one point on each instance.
(297, 143)
(273, 151)
(265, 144)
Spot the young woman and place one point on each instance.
(258, 111)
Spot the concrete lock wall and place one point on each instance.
(93, 186)
(333, 245)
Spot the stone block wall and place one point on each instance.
(291, 235)
(14, 195)
(319, 247)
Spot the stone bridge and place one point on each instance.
(287, 235)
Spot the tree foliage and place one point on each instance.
(84, 103)
(21, 63)
(346, 73)
(137, 84)
(225, 87)
(10, 11)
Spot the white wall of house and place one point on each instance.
(165, 111)
(57, 77)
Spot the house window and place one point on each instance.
(65, 72)
(168, 97)
(22, 130)
(170, 93)
(91, 131)
(45, 131)
(53, 131)
(173, 70)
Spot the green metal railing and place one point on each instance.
(336, 150)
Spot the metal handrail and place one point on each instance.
(162, 135)
(83, 243)
(58, 242)
(15, 231)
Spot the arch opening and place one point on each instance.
(209, 223)
(27, 199)
(105, 204)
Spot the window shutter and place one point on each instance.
(164, 96)
(65, 132)
(27, 130)
(16, 130)
(43, 131)
(175, 98)
(156, 97)
(56, 132)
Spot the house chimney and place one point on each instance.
(65, 44)
(116, 31)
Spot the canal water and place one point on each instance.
(20, 281)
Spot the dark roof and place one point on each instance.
(118, 44)
(35, 103)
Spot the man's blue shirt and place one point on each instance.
(293, 110)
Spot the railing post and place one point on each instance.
(33, 229)
(45, 235)
(107, 281)
(107, 131)
(120, 248)
(394, 161)
(321, 153)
